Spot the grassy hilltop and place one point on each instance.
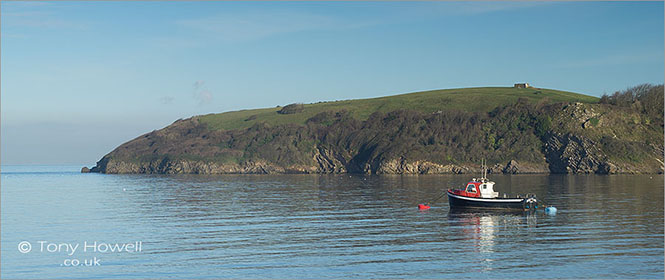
(528, 130)
(482, 99)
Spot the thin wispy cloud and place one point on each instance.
(254, 25)
(201, 93)
(27, 4)
(174, 42)
(476, 8)
(37, 15)
(613, 60)
(166, 100)
(428, 10)
(259, 24)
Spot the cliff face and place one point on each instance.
(518, 138)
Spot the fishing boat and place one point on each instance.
(479, 193)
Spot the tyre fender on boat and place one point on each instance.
(530, 202)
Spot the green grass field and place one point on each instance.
(470, 99)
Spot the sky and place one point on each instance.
(80, 78)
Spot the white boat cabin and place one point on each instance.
(485, 186)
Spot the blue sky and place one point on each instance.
(79, 78)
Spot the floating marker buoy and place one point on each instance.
(423, 206)
(551, 210)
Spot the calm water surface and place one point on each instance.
(337, 226)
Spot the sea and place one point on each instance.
(59, 223)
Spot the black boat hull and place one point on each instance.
(457, 201)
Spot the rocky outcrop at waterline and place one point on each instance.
(180, 166)
(572, 154)
(519, 138)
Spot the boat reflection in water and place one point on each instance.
(482, 232)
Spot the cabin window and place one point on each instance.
(470, 188)
(484, 187)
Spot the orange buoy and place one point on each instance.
(423, 206)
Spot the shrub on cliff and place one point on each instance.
(292, 108)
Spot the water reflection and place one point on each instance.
(483, 231)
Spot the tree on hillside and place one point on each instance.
(647, 98)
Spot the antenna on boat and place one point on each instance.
(484, 168)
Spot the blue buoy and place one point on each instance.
(550, 210)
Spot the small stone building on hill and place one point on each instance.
(522, 85)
